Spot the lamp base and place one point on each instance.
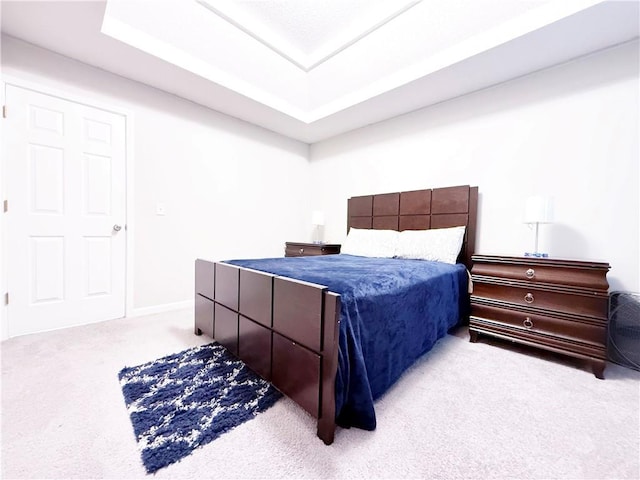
(317, 234)
(536, 254)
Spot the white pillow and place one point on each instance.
(370, 243)
(439, 244)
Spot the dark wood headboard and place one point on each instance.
(420, 210)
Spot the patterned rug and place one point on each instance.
(180, 402)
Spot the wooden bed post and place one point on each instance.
(330, 340)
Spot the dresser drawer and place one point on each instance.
(543, 324)
(301, 251)
(293, 249)
(597, 354)
(589, 278)
(594, 306)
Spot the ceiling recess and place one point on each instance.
(277, 64)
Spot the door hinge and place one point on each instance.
(6, 298)
(5, 206)
(4, 111)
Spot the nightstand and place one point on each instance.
(297, 249)
(556, 305)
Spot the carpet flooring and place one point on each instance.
(463, 411)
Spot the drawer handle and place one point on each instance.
(530, 273)
(528, 298)
(302, 250)
(527, 323)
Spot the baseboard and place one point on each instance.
(165, 307)
(137, 312)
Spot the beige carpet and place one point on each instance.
(464, 411)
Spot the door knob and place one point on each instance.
(117, 227)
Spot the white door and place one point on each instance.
(66, 237)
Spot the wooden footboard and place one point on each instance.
(283, 329)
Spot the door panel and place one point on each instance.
(98, 260)
(41, 118)
(96, 186)
(66, 165)
(46, 179)
(46, 281)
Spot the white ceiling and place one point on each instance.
(307, 25)
(308, 32)
(312, 69)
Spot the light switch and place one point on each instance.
(160, 209)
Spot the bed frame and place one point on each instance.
(287, 330)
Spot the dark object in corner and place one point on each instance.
(623, 342)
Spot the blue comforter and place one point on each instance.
(392, 312)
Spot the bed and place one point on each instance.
(334, 332)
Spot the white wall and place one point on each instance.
(570, 131)
(230, 189)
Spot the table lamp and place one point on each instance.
(317, 220)
(538, 209)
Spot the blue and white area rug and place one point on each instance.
(188, 399)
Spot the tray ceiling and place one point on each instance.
(311, 70)
(308, 32)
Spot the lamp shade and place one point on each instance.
(539, 209)
(317, 218)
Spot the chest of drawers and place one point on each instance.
(299, 249)
(557, 305)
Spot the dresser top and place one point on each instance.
(309, 244)
(555, 262)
